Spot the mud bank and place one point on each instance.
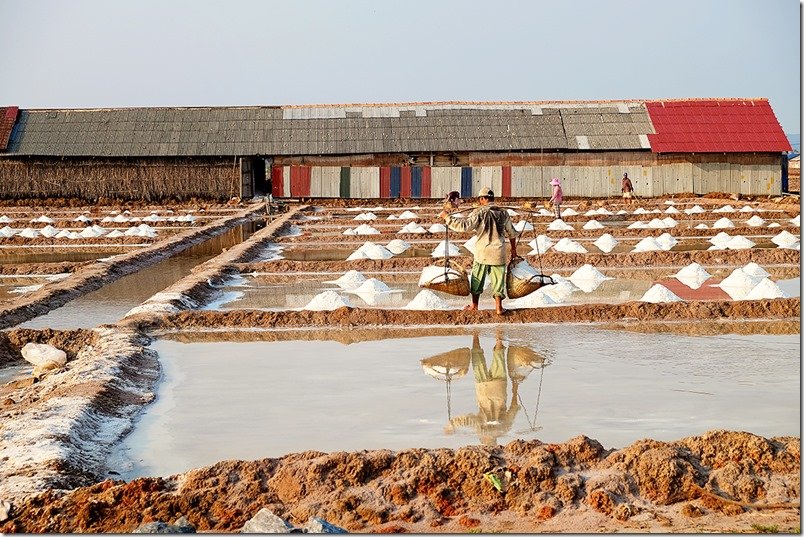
(551, 260)
(57, 433)
(70, 341)
(61, 267)
(721, 481)
(782, 308)
(94, 275)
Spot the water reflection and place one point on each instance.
(496, 413)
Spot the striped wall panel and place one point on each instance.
(444, 180)
(365, 182)
(490, 176)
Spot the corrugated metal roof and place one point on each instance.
(715, 126)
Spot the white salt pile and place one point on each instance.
(28, 233)
(672, 210)
(639, 224)
(372, 286)
(349, 279)
(606, 243)
(365, 216)
(621, 211)
(470, 244)
(590, 212)
(366, 229)
(438, 274)
(666, 241)
(569, 212)
(720, 239)
(441, 250)
(756, 271)
(407, 215)
(725, 209)
(738, 242)
(43, 220)
(640, 210)
(49, 231)
(693, 275)
(119, 219)
(568, 245)
(701, 226)
(588, 278)
(392, 217)
(523, 225)
(774, 224)
(669, 222)
(89, 233)
(523, 271)
(559, 225)
(327, 301)
(397, 246)
(658, 294)
(648, 244)
(81, 218)
(747, 209)
(153, 218)
(657, 224)
(437, 228)
(349, 231)
(755, 221)
(765, 289)
(115, 233)
(536, 299)
(540, 244)
(412, 227)
(560, 290)
(669, 202)
(796, 221)
(185, 218)
(65, 233)
(369, 250)
(603, 210)
(723, 223)
(5, 219)
(738, 284)
(73, 235)
(427, 300)
(143, 230)
(696, 209)
(8, 231)
(593, 224)
(784, 239)
(545, 212)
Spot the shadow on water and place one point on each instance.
(112, 301)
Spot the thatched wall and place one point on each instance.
(142, 179)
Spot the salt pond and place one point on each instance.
(278, 397)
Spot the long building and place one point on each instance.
(412, 150)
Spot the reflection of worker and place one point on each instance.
(494, 418)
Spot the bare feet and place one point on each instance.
(502, 311)
(470, 307)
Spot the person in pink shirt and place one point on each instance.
(558, 196)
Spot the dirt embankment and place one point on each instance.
(721, 481)
(61, 267)
(70, 341)
(781, 308)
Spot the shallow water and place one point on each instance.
(114, 300)
(249, 400)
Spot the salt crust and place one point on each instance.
(427, 300)
(327, 301)
(658, 294)
(606, 243)
(568, 245)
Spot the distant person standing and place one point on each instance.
(627, 188)
(558, 197)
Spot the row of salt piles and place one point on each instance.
(370, 250)
(371, 290)
(750, 282)
(89, 232)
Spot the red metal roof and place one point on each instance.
(715, 126)
(8, 116)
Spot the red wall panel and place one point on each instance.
(277, 182)
(506, 181)
(404, 192)
(300, 181)
(385, 181)
(427, 181)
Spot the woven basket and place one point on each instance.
(453, 286)
(518, 287)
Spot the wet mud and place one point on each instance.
(718, 481)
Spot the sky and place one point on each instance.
(105, 53)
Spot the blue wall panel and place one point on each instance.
(396, 182)
(466, 182)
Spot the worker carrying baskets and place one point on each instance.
(492, 226)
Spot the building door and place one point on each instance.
(246, 178)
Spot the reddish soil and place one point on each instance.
(60, 267)
(722, 481)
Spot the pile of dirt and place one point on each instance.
(721, 481)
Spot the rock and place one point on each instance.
(5, 510)
(179, 526)
(318, 525)
(42, 353)
(265, 521)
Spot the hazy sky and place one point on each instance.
(104, 53)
